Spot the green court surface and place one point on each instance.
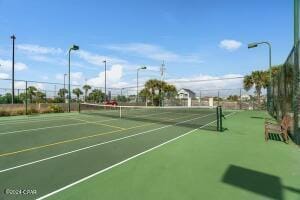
(236, 164)
(164, 156)
(44, 153)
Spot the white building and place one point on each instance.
(184, 93)
(245, 97)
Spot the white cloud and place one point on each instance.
(20, 85)
(45, 78)
(37, 49)
(155, 52)
(230, 45)
(4, 75)
(39, 86)
(40, 58)
(114, 76)
(59, 77)
(96, 59)
(76, 78)
(6, 65)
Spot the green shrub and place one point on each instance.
(4, 113)
(20, 112)
(32, 111)
(56, 108)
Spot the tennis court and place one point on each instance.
(43, 153)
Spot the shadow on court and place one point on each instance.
(260, 183)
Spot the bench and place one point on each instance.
(280, 129)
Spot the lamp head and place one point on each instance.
(74, 47)
(252, 45)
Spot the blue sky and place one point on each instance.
(198, 39)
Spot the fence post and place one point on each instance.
(240, 98)
(218, 97)
(218, 119)
(199, 97)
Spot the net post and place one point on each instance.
(120, 112)
(79, 107)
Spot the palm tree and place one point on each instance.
(261, 80)
(31, 91)
(258, 80)
(145, 94)
(86, 89)
(77, 92)
(162, 87)
(97, 95)
(40, 96)
(170, 91)
(62, 92)
(150, 85)
(248, 82)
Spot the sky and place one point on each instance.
(197, 39)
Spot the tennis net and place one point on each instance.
(195, 117)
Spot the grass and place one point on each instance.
(237, 164)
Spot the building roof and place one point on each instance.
(188, 90)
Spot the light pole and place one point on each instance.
(137, 82)
(162, 70)
(65, 87)
(105, 79)
(74, 48)
(13, 37)
(254, 45)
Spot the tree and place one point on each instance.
(233, 98)
(22, 96)
(153, 86)
(145, 94)
(31, 92)
(257, 80)
(96, 96)
(121, 98)
(77, 92)
(170, 91)
(6, 99)
(40, 97)
(62, 92)
(86, 88)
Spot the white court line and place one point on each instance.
(99, 144)
(74, 124)
(112, 166)
(49, 127)
(119, 163)
(41, 116)
(23, 121)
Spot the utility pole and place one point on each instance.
(105, 79)
(74, 48)
(13, 37)
(65, 87)
(162, 70)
